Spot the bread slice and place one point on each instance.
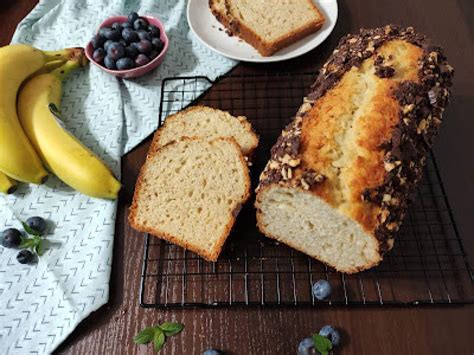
(206, 122)
(268, 25)
(189, 193)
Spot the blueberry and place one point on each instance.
(140, 24)
(142, 34)
(107, 44)
(97, 41)
(132, 17)
(154, 31)
(98, 55)
(24, 257)
(129, 35)
(306, 347)
(142, 59)
(11, 238)
(117, 26)
(153, 54)
(36, 223)
(127, 25)
(321, 289)
(158, 44)
(112, 34)
(212, 352)
(125, 63)
(109, 63)
(332, 334)
(123, 43)
(144, 46)
(131, 52)
(103, 30)
(115, 51)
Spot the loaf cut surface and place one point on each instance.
(338, 181)
(209, 123)
(190, 191)
(268, 25)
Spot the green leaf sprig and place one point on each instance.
(158, 334)
(322, 344)
(35, 243)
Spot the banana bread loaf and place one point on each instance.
(338, 181)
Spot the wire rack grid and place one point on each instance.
(428, 264)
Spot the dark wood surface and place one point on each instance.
(428, 330)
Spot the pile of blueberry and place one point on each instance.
(128, 44)
(12, 238)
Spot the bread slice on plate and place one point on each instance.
(189, 193)
(206, 122)
(268, 25)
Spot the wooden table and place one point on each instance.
(427, 330)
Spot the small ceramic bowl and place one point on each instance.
(137, 71)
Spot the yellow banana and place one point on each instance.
(18, 158)
(7, 185)
(62, 153)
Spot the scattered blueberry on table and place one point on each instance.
(322, 289)
(11, 238)
(332, 334)
(212, 352)
(306, 347)
(127, 45)
(24, 256)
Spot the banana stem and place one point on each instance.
(50, 66)
(65, 54)
(64, 70)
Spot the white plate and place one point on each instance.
(212, 34)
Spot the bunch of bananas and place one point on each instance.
(32, 135)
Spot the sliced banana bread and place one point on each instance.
(190, 191)
(338, 181)
(268, 25)
(206, 122)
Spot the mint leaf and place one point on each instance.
(171, 329)
(158, 339)
(26, 243)
(322, 344)
(30, 230)
(34, 244)
(145, 336)
(39, 248)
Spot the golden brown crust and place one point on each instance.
(210, 255)
(155, 146)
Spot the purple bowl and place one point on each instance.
(138, 71)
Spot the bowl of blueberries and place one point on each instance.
(128, 46)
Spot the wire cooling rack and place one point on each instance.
(428, 264)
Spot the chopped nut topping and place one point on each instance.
(408, 108)
(273, 165)
(294, 163)
(388, 166)
(304, 184)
